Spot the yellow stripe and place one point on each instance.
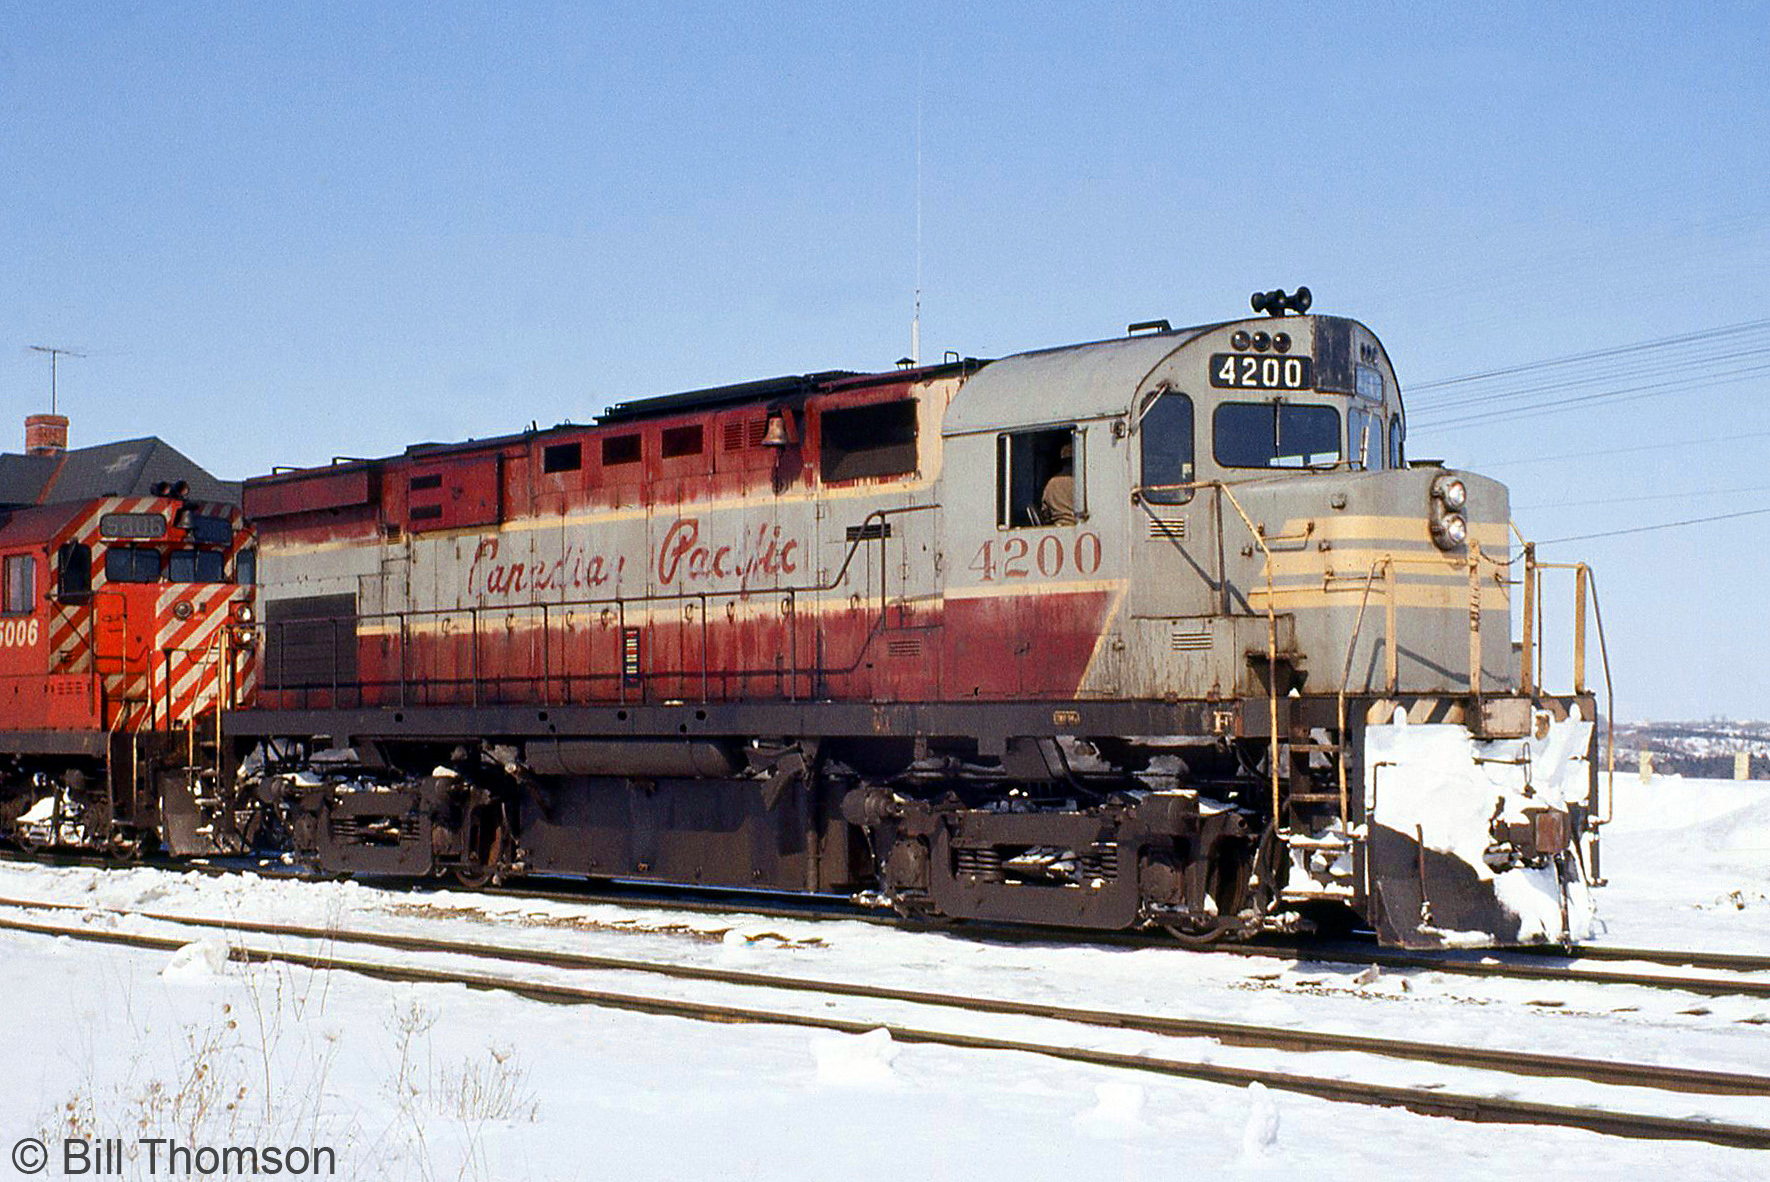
(1409, 530)
(1437, 596)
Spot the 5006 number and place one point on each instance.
(1020, 557)
(19, 633)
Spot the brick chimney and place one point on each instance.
(46, 435)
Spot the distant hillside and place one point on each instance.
(1707, 749)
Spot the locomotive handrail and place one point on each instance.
(1271, 649)
(1387, 565)
(1586, 583)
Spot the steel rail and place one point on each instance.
(1524, 962)
(1335, 952)
(1516, 1062)
(1517, 962)
(1485, 1109)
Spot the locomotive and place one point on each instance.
(1158, 630)
(126, 608)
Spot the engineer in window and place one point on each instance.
(1057, 504)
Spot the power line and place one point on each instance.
(1617, 451)
(1625, 394)
(1615, 351)
(1701, 492)
(1642, 529)
(1591, 376)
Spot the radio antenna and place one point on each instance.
(916, 314)
(53, 354)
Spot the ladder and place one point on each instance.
(1314, 826)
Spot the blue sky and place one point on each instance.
(287, 232)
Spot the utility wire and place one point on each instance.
(1642, 529)
(1701, 492)
(1431, 404)
(1625, 394)
(1617, 451)
(1615, 351)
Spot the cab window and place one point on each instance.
(1166, 427)
(19, 577)
(195, 566)
(1396, 434)
(211, 531)
(1365, 444)
(73, 564)
(246, 567)
(1039, 478)
(132, 564)
(1275, 435)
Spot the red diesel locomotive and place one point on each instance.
(125, 628)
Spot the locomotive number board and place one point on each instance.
(1246, 371)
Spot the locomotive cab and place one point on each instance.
(1254, 543)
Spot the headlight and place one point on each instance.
(243, 613)
(1449, 530)
(1452, 492)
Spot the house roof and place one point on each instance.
(129, 468)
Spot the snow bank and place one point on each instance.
(1688, 863)
(856, 1060)
(1117, 1111)
(1260, 1134)
(199, 962)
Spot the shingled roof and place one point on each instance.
(127, 469)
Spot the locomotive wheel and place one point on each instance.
(487, 863)
(1204, 937)
(123, 849)
(1253, 887)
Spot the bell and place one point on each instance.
(776, 435)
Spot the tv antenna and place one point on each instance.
(54, 353)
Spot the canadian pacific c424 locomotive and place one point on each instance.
(1160, 630)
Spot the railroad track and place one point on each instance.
(1539, 964)
(1428, 1100)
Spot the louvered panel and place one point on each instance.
(1191, 636)
(1169, 528)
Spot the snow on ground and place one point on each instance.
(1689, 865)
(441, 1082)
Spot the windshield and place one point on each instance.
(1276, 435)
(195, 566)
